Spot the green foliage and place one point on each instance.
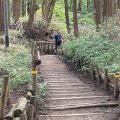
(16, 60)
(102, 48)
(59, 11)
(86, 20)
(41, 90)
(101, 51)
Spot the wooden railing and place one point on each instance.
(46, 47)
(104, 77)
(25, 108)
(100, 76)
(5, 94)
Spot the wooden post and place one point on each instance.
(52, 49)
(34, 71)
(116, 87)
(30, 43)
(23, 117)
(119, 100)
(43, 45)
(98, 74)
(30, 111)
(106, 82)
(39, 46)
(8, 93)
(48, 48)
(33, 102)
(3, 96)
(92, 71)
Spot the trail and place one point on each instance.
(70, 97)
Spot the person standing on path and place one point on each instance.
(58, 40)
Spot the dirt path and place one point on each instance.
(72, 98)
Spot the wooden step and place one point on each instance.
(83, 110)
(83, 98)
(68, 88)
(78, 100)
(85, 116)
(71, 95)
(85, 105)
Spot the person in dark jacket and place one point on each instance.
(58, 40)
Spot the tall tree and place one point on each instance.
(105, 9)
(80, 5)
(76, 31)
(47, 9)
(88, 5)
(110, 10)
(1, 16)
(118, 4)
(23, 8)
(32, 12)
(98, 13)
(16, 10)
(67, 15)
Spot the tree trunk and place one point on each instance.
(76, 31)
(98, 14)
(16, 10)
(67, 16)
(80, 5)
(1, 16)
(105, 8)
(32, 12)
(47, 9)
(110, 8)
(51, 10)
(118, 4)
(23, 9)
(43, 8)
(88, 5)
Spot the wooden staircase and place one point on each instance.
(70, 97)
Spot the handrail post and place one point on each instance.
(98, 74)
(92, 71)
(106, 82)
(3, 96)
(116, 87)
(34, 70)
(30, 111)
(23, 117)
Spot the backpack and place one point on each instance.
(59, 40)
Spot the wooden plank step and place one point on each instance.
(71, 92)
(63, 82)
(86, 97)
(63, 85)
(88, 116)
(76, 101)
(87, 105)
(70, 88)
(71, 95)
(83, 110)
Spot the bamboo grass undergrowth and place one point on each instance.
(16, 60)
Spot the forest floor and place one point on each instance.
(72, 95)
